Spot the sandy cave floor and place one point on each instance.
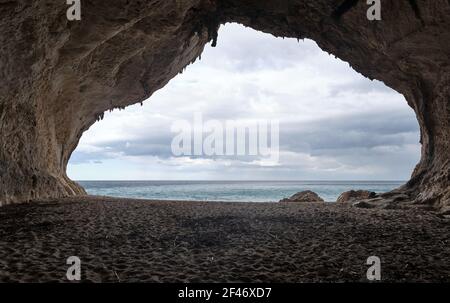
(168, 241)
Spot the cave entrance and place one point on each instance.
(334, 124)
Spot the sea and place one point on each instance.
(230, 191)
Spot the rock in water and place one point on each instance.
(356, 195)
(304, 196)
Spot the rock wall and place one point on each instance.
(58, 77)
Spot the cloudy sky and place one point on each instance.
(334, 123)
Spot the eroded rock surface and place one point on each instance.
(363, 204)
(355, 195)
(59, 77)
(304, 196)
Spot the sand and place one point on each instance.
(168, 241)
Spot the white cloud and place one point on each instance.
(335, 124)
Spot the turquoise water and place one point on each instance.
(237, 191)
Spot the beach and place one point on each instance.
(127, 240)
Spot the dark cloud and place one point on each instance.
(323, 137)
(363, 130)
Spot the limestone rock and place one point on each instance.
(304, 196)
(356, 195)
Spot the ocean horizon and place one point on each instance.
(228, 190)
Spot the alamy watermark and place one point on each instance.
(259, 138)
(74, 271)
(374, 11)
(74, 10)
(374, 271)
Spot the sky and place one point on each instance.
(334, 124)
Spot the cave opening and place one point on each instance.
(335, 124)
(121, 55)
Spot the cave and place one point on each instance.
(60, 76)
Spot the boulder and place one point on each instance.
(356, 195)
(304, 196)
